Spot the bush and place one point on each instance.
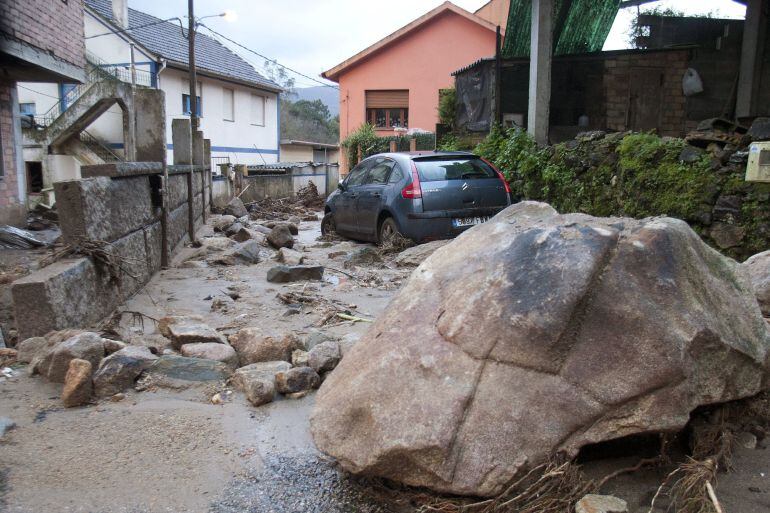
(634, 175)
(371, 144)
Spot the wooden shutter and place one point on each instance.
(387, 99)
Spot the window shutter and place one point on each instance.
(397, 99)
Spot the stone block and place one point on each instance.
(177, 190)
(198, 150)
(121, 169)
(131, 249)
(153, 239)
(70, 293)
(181, 137)
(177, 226)
(103, 208)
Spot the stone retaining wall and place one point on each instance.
(120, 205)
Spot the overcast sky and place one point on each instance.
(314, 35)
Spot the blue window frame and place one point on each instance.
(186, 105)
(27, 109)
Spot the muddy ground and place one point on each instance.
(174, 451)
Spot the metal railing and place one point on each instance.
(100, 148)
(97, 71)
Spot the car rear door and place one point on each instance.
(345, 216)
(465, 184)
(372, 195)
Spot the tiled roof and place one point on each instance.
(167, 41)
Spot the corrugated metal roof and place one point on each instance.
(167, 41)
(580, 26)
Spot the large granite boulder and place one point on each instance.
(758, 268)
(538, 333)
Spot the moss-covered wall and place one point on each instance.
(640, 175)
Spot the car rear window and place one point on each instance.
(453, 168)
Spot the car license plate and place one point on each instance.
(469, 221)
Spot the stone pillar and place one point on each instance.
(541, 50)
(129, 132)
(754, 33)
(412, 144)
(198, 151)
(207, 194)
(181, 137)
(393, 147)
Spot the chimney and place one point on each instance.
(120, 12)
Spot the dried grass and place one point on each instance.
(101, 252)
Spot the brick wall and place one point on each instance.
(621, 79)
(55, 26)
(12, 209)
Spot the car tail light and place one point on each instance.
(500, 175)
(413, 190)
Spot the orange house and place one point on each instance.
(395, 83)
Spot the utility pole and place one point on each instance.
(193, 79)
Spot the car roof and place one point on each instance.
(416, 155)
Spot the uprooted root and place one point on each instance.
(395, 244)
(549, 488)
(103, 254)
(691, 487)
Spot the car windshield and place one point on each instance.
(453, 168)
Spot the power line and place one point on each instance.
(267, 58)
(37, 92)
(129, 29)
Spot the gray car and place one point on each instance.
(422, 196)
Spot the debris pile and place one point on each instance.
(598, 328)
(303, 206)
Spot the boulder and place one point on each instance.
(242, 235)
(264, 230)
(188, 330)
(758, 268)
(78, 387)
(28, 348)
(253, 345)
(236, 208)
(600, 504)
(535, 334)
(297, 379)
(324, 357)
(300, 358)
(257, 380)
(120, 370)
(233, 229)
(414, 256)
(54, 364)
(286, 273)
(289, 256)
(221, 223)
(180, 372)
(211, 351)
(245, 253)
(280, 237)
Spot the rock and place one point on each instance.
(348, 342)
(758, 269)
(211, 351)
(257, 380)
(6, 425)
(54, 364)
(245, 253)
(289, 256)
(29, 348)
(727, 235)
(590, 135)
(189, 330)
(536, 334)
(760, 129)
(222, 304)
(601, 504)
(236, 208)
(297, 379)
(216, 244)
(691, 154)
(120, 370)
(253, 345)
(112, 346)
(233, 229)
(78, 387)
(242, 235)
(364, 256)
(414, 256)
(747, 440)
(286, 274)
(324, 357)
(280, 237)
(180, 372)
(165, 323)
(727, 208)
(221, 223)
(262, 229)
(300, 358)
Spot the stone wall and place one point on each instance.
(120, 206)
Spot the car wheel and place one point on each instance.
(388, 230)
(328, 226)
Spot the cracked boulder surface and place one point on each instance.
(535, 334)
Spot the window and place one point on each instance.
(198, 101)
(435, 170)
(257, 110)
(396, 176)
(357, 174)
(380, 172)
(27, 109)
(388, 109)
(228, 104)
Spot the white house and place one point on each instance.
(239, 108)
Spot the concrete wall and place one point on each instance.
(118, 204)
(306, 153)
(285, 183)
(221, 191)
(13, 192)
